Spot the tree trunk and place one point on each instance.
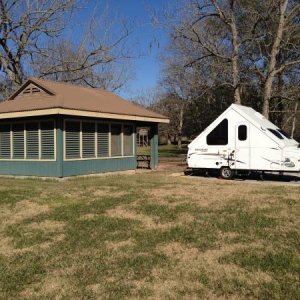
(271, 71)
(169, 140)
(180, 126)
(294, 119)
(277, 118)
(235, 57)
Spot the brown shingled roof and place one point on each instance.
(73, 97)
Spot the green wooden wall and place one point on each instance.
(92, 166)
(61, 168)
(32, 168)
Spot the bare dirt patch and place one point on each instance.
(185, 218)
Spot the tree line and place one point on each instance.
(230, 51)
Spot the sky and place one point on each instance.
(146, 64)
(147, 67)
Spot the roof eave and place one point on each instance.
(81, 113)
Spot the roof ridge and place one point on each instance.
(70, 84)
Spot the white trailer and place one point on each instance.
(240, 140)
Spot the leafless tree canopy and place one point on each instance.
(33, 42)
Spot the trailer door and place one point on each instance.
(242, 146)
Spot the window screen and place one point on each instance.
(88, 139)
(47, 140)
(219, 135)
(72, 132)
(128, 140)
(103, 139)
(5, 141)
(18, 140)
(32, 140)
(242, 132)
(116, 148)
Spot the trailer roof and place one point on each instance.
(256, 119)
(253, 116)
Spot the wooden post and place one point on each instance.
(59, 145)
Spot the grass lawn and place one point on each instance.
(165, 150)
(148, 235)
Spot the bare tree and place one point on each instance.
(23, 25)
(276, 40)
(32, 42)
(208, 31)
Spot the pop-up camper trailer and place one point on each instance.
(241, 139)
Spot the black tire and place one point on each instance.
(226, 173)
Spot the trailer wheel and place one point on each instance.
(226, 173)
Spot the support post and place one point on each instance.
(59, 145)
(154, 145)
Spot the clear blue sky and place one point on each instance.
(146, 66)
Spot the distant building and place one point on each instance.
(55, 129)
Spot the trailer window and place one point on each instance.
(242, 133)
(276, 133)
(219, 135)
(284, 133)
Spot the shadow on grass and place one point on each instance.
(253, 176)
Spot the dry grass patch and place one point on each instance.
(53, 286)
(146, 221)
(118, 245)
(47, 225)
(88, 217)
(189, 263)
(108, 192)
(23, 210)
(202, 194)
(7, 247)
